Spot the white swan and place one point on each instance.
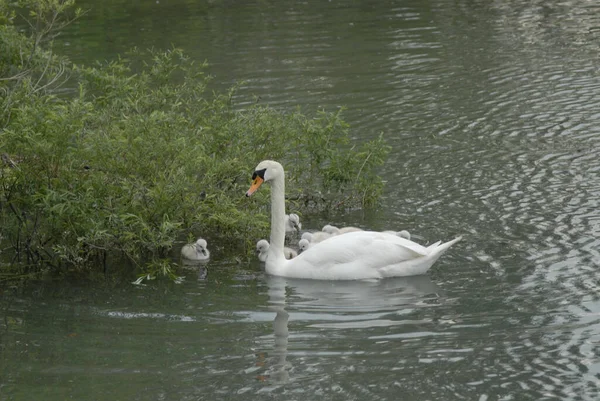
(352, 256)
(262, 250)
(292, 223)
(196, 251)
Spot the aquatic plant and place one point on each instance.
(130, 155)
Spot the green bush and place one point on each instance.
(133, 159)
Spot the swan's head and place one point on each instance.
(295, 221)
(201, 246)
(307, 236)
(329, 229)
(303, 245)
(266, 171)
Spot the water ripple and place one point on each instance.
(491, 109)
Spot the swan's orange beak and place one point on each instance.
(256, 183)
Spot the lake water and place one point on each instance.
(492, 108)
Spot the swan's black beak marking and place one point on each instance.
(257, 179)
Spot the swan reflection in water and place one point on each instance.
(353, 304)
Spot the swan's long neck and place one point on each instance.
(277, 223)
(278, 214)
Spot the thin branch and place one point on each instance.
(18, 76)
(44, 72)
(363, 165)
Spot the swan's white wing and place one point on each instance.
(370, 249)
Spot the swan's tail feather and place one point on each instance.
(447, 245)
(419, 265)
(439, 250)
(434, 245)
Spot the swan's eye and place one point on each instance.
(259, 173)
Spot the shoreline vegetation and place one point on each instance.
(125, 158)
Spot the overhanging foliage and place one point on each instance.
(132, 159)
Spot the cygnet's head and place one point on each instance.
(294, 221)
(262, 246)
(403, 234)
(201, 247)
(329, 229)
(262, 249)
(303, 245)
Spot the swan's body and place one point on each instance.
(292, 223)
(196, 251)
(262, 250)
(352, 256)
